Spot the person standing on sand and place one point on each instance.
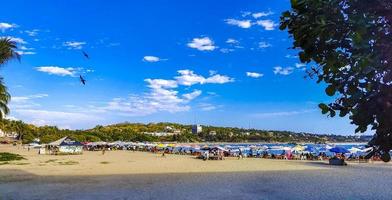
(103, 150)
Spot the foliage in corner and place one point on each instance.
(350, 43)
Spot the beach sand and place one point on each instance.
(142, 175)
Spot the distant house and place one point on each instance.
(65, 145)
(159, 134)
(197, 129)
(246, 133)
(212, 132)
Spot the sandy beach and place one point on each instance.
(128, 162)
(142, 175)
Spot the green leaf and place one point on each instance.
(330, 90)
(324, 108)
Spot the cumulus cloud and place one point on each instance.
(74, 44)
(283, 70)
(164, 95)
(239, 23)
(55, 70)
(188, 78)
(151, 59)
(202, 44)
(263, 45)
(254, 74)
(267, 24)
(192, 95)
(262, 14)
(5, 26)
(161, 83)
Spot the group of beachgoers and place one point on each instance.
(219, 152)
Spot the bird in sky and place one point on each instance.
(82, 80)
(85, 55)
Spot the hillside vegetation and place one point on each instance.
(136, 132)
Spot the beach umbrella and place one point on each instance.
(286, 148)
(264, 147)
(219, 148)
(310, 149)
(161, 145)
(298, 148)
(328, 147)
(205, 147)
(355, 150)
(338, 149)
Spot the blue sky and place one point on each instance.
(204, 62)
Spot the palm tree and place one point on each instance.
(7, 52)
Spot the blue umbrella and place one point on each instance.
(339, 150)
(310, 149)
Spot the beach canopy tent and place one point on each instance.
(66, 145)
(355, 150)
(339, 149)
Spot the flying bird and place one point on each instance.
(85, 55)
(82, 80)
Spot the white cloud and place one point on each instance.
(206, 107)
(15, 39)
(226, 50)
(202, 44)
(24, 48)
(151, 59)
(192, 95)
(32, 33)
(300, 65)
(25, 52)
(161, 83)
(5, 26)
(24, 102)
(262, 14)
(239, 23)
(254, 74)
(245, 14)
(19, 99)
(219, 79)
(74, 44)
(58, 118)
(163, 95)
(55, 70)
(231, 41)
(263, 45)
(188, 78)
(291, 56)
(267, 24)
(283, 70)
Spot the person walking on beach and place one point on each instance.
(103, 150)
(240, 155)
